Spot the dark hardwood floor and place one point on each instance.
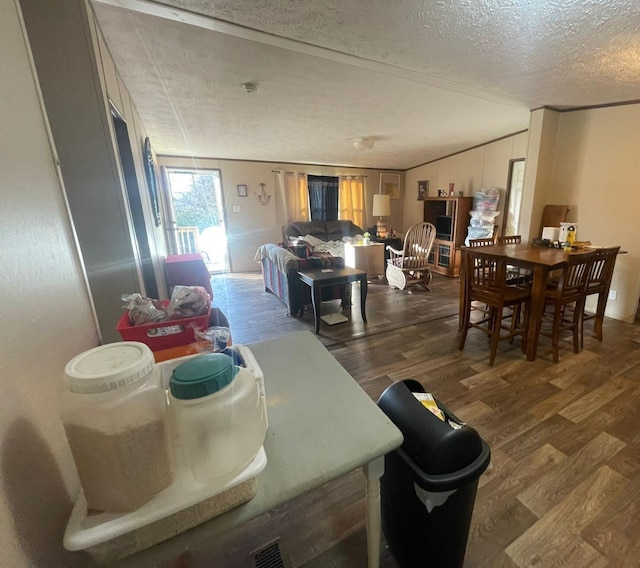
(563, 487)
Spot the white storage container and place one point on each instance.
(115, 417)
(220, 416)
(185, 503)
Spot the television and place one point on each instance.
(444, 227)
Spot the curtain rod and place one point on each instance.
(343, 175)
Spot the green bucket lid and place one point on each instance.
(202, 375)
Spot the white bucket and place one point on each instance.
(220, 417)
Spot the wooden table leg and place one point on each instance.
(462, 312)
(364, 287)
(316, 296)
(538, 287)
(373, 472)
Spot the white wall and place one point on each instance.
(596, 170)
(538, 188)
(484, 167)
(47, 319)
(256, 224)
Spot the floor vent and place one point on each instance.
(269, 556)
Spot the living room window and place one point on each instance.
(326, 198)
(333, 198)
(323, 197)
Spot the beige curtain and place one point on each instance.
(298, 193)
(351, 200)
(294, 196)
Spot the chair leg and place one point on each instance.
(555, 333)
(495, 335)
(465, 325)
(525, 325)
(602, 304)
(578, 313)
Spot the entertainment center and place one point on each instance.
(450, 216)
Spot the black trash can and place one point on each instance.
(429, 485)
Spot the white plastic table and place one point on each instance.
(322, 425)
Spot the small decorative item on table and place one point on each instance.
(367, 238)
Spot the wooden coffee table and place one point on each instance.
(322, 277)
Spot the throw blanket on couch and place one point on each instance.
(334, 248)
(281, 257)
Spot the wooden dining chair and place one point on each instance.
(599, 282)
(552, 216)
(516, 275)
(481, 242)
(486, 283)
(510, 240)
(565, 298)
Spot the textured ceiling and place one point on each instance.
(423, 78)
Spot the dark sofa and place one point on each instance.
(280, 265)
(323, 230)
(280, 276)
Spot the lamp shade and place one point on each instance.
(381, 205)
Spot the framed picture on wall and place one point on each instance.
(242, 190)
(423, 189)
(390, 185)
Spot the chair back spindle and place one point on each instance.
(486, 242)
(510, 240)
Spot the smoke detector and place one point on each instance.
(249, 87)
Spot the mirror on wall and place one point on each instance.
(513, 197)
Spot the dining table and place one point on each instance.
(541, 261)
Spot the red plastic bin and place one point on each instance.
(163, 335)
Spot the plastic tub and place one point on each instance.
(184, 504)
(163, 335)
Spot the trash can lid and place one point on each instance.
(433, 445)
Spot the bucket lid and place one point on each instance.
(202, 375)
(108, 367)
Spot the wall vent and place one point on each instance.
(269, 556)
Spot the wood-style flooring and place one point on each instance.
(563, 487)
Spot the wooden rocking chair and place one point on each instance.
(411, 264)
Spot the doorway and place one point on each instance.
(135, 205)
(197, 216)
(513, 198)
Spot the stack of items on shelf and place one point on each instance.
(483, 215)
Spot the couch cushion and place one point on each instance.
(301, 228)
(338, 229)
(326, 231)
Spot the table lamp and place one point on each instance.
(381, 208)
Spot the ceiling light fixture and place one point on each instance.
(363, 143)
(249, 87)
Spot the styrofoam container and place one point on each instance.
(184, 504)
(551, 233)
